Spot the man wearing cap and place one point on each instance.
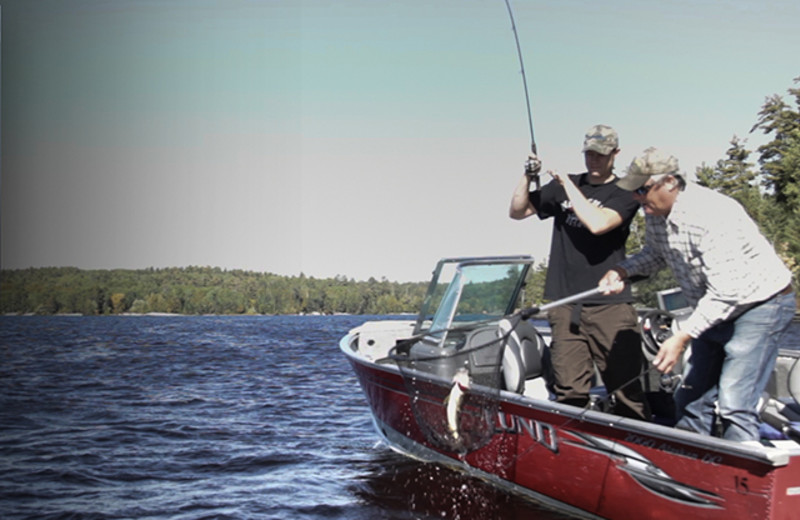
(591, 219)
(739, 288)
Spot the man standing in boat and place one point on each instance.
(739, 288)
(591, 223)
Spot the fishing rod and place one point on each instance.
(532, 166)
(524, 79)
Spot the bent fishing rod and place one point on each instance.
(532, 166)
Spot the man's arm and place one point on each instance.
(671, 350)
(521, 206)
(596, 219)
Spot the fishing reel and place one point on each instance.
(532, 168)
(657, 327)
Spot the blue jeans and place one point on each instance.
(730, 364)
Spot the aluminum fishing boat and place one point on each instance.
(466, 385)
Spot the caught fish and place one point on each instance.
(454, 399)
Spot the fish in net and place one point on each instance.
(454, 389)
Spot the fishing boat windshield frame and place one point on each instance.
(464, 290)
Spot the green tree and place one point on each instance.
(780, 158)
(118, 303)
(533, 292)
(139, 307)
(734, 175)
(780, 170)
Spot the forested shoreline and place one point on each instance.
(197, 290)
(769, 190)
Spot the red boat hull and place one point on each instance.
(596, 465)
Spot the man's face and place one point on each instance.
(657, 196)
(597, 164)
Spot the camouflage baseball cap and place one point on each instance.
(601, 139)
(651, 162)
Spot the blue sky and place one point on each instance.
(351, 137)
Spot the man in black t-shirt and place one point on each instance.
(591, 222)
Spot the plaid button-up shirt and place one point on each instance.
(719, 257)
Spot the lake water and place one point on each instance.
(207, 417)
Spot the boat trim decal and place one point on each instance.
(645, 472)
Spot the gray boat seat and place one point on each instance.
(523, 355)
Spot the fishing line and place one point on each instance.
(524, 79)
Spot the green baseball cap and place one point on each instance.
(601, 139)
(651, 162)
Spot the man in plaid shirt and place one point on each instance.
(739, 289)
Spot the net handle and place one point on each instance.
(527, 313)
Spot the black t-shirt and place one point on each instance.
(578, 258)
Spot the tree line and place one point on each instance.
(768, 188)
(197, 290)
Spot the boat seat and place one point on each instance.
(523, 357)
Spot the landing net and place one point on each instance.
(454, 390)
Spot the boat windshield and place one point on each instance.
(477, 291)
